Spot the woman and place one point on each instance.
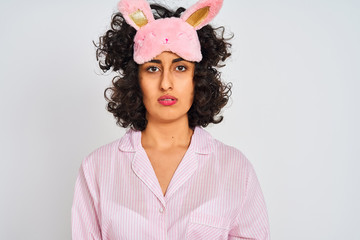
(167, 178)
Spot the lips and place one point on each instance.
(167, 100)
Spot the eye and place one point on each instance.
(152, 69)
(181, 68)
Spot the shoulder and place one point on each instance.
(229, 160)
(230, 156)
(110, 150)
(222, 154)
(229, 166)
(229, 151)
(100, 154)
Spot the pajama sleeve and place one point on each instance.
(85, 209)
(252, 221)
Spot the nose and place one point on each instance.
(166, 81)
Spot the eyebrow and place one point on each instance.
(173, 61)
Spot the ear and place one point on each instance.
(137, 13)
(202, 13)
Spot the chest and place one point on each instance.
(165, 164)
(198, 210)
(203, 207)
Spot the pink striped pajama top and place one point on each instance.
(213, 194)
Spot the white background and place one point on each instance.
(294, 110)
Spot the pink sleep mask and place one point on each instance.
(177, 35)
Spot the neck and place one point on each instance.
(166, 135)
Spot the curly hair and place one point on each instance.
(124, 97)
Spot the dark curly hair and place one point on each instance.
(124, 97)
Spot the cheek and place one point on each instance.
(192, 96)
(144, 86)
(144, 91)
(190, 90)
(148, 94)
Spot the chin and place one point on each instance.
(169, 118)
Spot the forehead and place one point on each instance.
(166, 58)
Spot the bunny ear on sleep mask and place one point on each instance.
(202, 13)
(177, 35)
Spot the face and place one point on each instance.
(168, 87)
